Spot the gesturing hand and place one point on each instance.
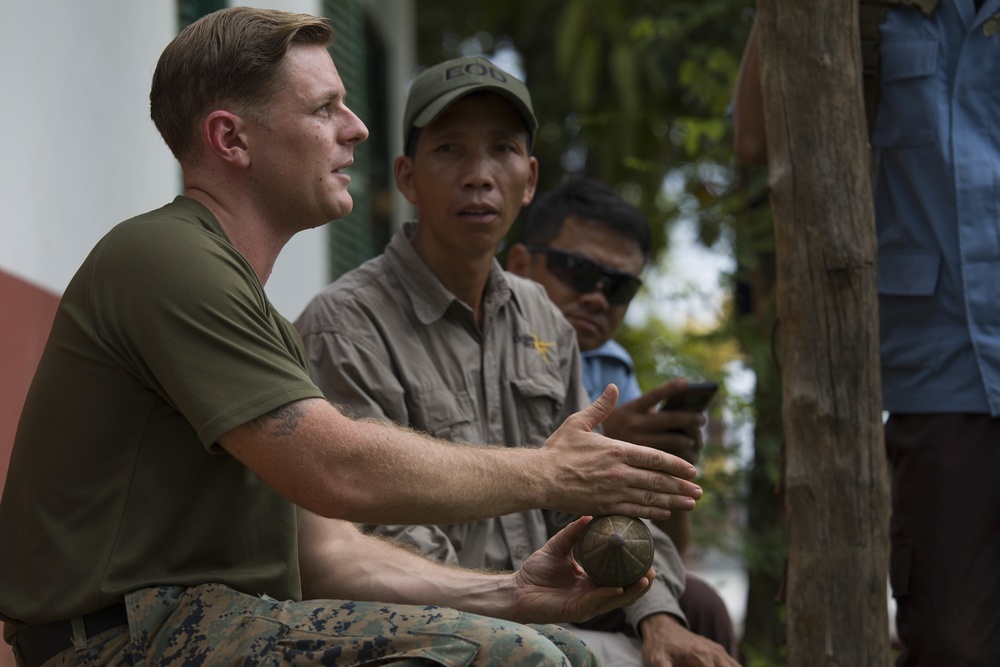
(588, 473)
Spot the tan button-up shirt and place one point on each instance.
(387, 340)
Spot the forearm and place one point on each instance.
(374, 472)
(656, 624)
(339, 562)
(655, 603)
(666, 641)
(336, 561)
(401, 476)
(749, 135)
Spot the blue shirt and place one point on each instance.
(937, 146)
(610, 364)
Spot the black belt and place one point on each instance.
(39, 643)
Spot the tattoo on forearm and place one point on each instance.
(282, 421)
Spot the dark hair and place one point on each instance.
(590, 200)
(232, 56)
(411, 144)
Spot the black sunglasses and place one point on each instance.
(585, 275)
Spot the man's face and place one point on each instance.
(299, 156)
(594, 318)
(469, 177)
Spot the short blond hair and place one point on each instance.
(232, 57)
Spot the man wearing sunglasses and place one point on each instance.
(587, 246)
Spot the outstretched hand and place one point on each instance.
(593, 474)
(552, 587)
(641, 422)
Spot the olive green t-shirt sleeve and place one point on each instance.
(187, 316)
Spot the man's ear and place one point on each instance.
(226, 137)
(404, 178)
(519, 260)
(529, 191)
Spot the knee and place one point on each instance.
(540, 645)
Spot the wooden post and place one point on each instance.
(836, 482)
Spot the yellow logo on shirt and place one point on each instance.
(540, 346)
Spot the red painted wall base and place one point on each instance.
(26, 313)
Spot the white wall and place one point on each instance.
(78, 152)
(396, 22)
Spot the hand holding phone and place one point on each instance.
(665, 418)
(695, 398)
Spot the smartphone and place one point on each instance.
(695, 398)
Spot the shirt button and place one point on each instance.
(494, 415)
(520, 552)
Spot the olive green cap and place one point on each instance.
(440, 86)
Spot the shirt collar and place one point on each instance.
(610, 349)
(429, 297)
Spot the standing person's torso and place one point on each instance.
(937, 147)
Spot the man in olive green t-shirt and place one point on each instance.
(171, 433)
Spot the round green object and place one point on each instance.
(615, 550)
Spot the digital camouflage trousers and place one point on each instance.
(215, 625)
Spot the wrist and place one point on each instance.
(656, 623)
(495, 595)
(537, 474)
(475, 592)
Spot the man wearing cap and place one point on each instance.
(434, 334)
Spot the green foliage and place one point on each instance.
(755, 658)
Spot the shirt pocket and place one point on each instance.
(908, 273)
(906, 101)
(539, 400)
(446, 414)
(907, 281)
